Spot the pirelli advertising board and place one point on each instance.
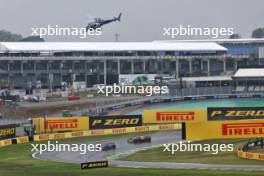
(236, 113)
(7, 131)
(175, 116)
(225, 129)
(57, 124)
(118, 121)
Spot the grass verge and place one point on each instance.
(157, 155)
(16, 160)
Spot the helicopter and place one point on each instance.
(97, 23)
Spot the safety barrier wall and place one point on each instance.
(21, 140)
(183, 98)
(250, 155)
(17, 140)
(43, 137)
(5, 142)
(61, 124)
(129, 129)
(75, 123)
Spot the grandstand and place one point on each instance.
(25, 65)
(249, 80)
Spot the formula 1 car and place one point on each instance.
(140, 139)
(108, 146)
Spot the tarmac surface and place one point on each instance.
(123, 149)
(122, 146)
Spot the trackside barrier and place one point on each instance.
(5, 142)
(250, 155)
(17, 140)
(183, 98)
(43, 137)
(21, 139)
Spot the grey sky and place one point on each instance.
(142, 20)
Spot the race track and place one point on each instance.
(123, 148)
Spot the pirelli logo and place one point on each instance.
(166, 127)
(51, 124)
(43, 137)
(174, 116)
(77, 134)
(243, 129)
(141, 128)
(59, 135)
(61, 124)
(119, 130)
(97, 132)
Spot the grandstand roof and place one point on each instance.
(109, 46)
(207, 78)
(249, 72)
(240, 40)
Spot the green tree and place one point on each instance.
(235, 36)
(258, 33)
(6, 36)
(32, 39)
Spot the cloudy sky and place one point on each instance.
(142, 20)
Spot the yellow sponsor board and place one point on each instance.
(22, 139)
(43, 137)
(250, 155)
(175, 116)
(56, 124)
(60, 135)
(225, 129)
(5, 142)
(78, 134)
